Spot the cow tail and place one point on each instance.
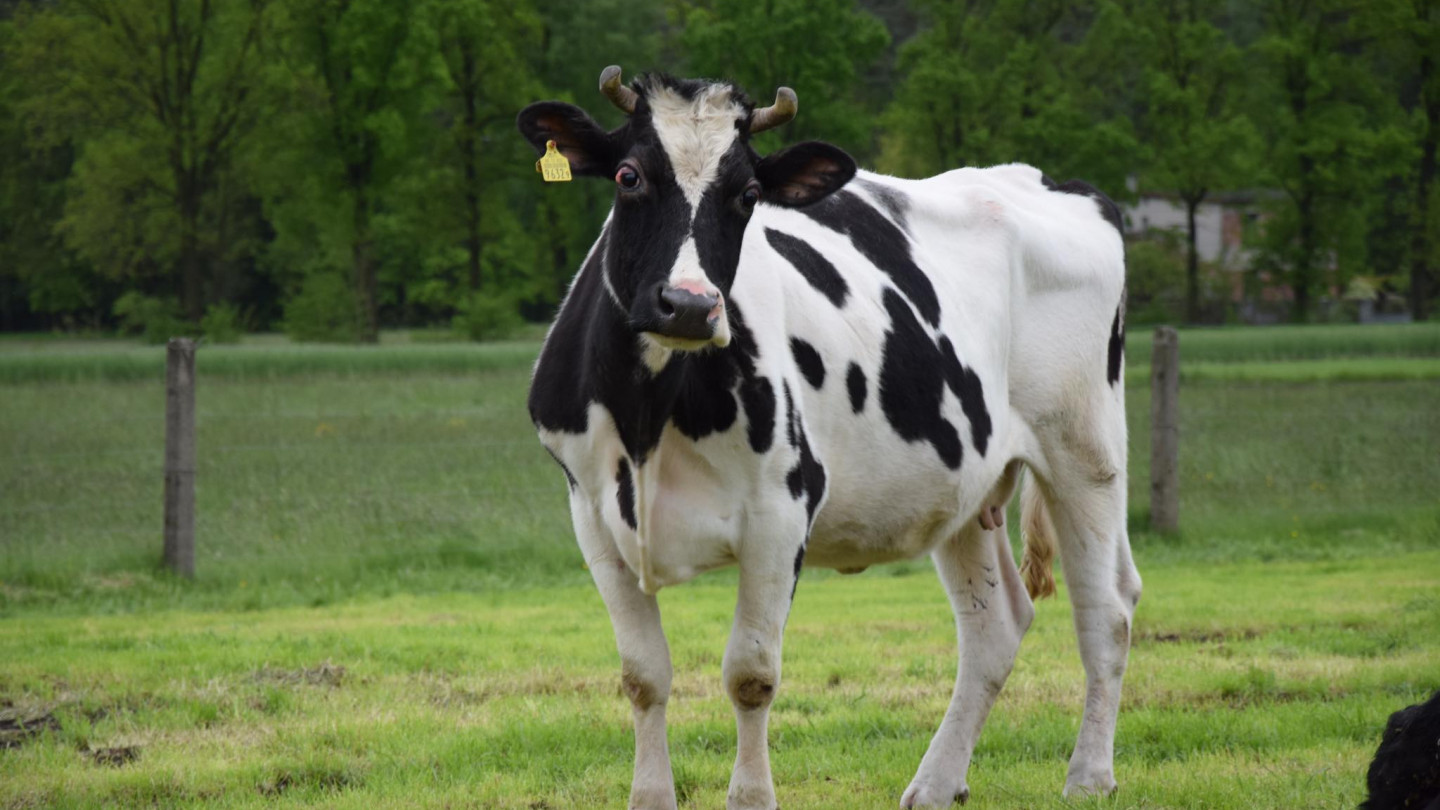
(1039, 536)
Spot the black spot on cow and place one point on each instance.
(626, 493)
(791, 437)
(807, 478)
(965, 385)
(1117, 344)
(799, 562)
(893, 200)
(856, 385)
(809, 362)
(815, 268)
(757, 396)
(569, 477)
(912, 384)
(882, 242)
(1108, 209)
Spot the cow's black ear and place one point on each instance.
(803, 173)
(587, 146)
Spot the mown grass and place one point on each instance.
(318, 488)
(45, 358)
(1250, 685)
(390, 610)
(1238, 344)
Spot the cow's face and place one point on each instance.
(686, 182)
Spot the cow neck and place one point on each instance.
(640, 401)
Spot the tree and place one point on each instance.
(1409, 33)
(816, 47)
(361, 80)
(155, 95)
(1196, 138)
(995, 81)
(481, 43)
(1331, 138)
(38, 276)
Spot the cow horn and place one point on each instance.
(777, 114)
(619, 95)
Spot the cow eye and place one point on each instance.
(627, 178)
(750, 195)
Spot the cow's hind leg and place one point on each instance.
(645, 668)
(992, 613)
(1085, 494)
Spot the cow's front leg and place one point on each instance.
(644, 663)
(752, 665)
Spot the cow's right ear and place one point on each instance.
(801, 174)
(588, 147)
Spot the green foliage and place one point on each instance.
(1331, 138)
(1007, 81)
(229, 149)
(221, 324)
(156, 320)
(1155, 280)
(155, 97)
(487, 316)
(1195, 137)
(323, 311)
(818, 48)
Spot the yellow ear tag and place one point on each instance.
(553, 166)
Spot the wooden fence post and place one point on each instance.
(180, 456)
(1165, 431)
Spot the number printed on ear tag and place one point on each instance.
(552, 165)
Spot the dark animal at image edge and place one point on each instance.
(1406, 770)
(778, 361)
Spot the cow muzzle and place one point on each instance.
(686, 316)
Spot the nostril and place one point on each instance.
(667, 308)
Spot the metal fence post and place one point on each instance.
(1165, 431)
(180, 456)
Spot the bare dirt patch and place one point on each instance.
(19, 726)
(323, 674)
(115, 757)
(1196, 636)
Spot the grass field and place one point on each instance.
(390, 610)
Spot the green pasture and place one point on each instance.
(390, 612)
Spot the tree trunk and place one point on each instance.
(1422, 245)
(1304, 260)
(472, 164)
(367, 314)
(1192, 260)
(192, 295)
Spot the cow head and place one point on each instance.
(686, 182)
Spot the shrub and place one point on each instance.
(155, 320)
(221, 324)
(484, 316)
(323, 311)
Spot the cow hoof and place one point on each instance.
(1093, 784)
(654, 799)
(925, 795)
(753, 797)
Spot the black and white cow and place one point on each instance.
(773, 360)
